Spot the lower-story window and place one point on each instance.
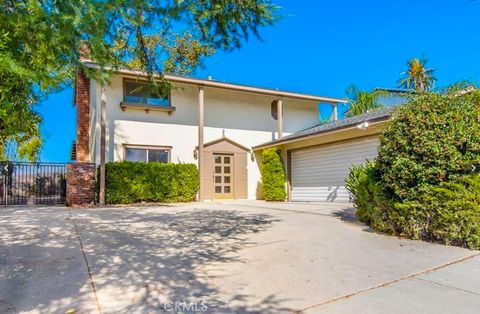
(147, 154)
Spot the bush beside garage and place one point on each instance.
(425, 184)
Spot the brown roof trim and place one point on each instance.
(225, 139)
(301, 137)
(228, 86)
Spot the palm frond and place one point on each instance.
(364, 102)
(417, 76)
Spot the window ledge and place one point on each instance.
(129, 105)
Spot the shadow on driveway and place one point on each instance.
(145, 260)
(349, 215)
(42, 269)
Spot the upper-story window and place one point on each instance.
(140, 92)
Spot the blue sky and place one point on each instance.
(321, 47)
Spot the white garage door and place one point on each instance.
(318, 174)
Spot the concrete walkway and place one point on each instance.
(232, 257)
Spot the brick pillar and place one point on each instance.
(80, 184)
(82, 100)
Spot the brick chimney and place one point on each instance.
(84, 53)
(82, 100)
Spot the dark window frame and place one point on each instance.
(148, 148)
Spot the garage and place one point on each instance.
(318, 173)
(317, 160)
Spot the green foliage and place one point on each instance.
(430, 140)
(417, 76)
(40, 43)
(448, 213)
(19, 131)
(421, 186)
(361, 101)
(325, 120)
(19, 123)
(365, 191)
(273, 175)
(361, 184)
(129, 182)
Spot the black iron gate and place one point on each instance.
(24, 183)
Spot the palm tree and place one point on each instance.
(361, 101)
(417, 77)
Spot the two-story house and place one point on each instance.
(212, 124)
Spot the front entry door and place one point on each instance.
(223, 176)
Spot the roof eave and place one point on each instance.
(323, 132)
(228, 86)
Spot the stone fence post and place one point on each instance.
(80, 184)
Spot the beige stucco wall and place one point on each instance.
(242, 117)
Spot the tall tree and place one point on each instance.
(417, 77)
(362, 101)
(40, 40)
(19, 123)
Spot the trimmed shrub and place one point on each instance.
(447, 213)
(371, 201)
(273, 175)
(128, 182)
(421, 186)
(432, 139)
(361, 184)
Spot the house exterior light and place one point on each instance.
(363, 126)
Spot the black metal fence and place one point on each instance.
(24, 183)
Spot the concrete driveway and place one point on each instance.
(232, 257)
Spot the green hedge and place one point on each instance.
(422, 185)
(273, 175)
(432, 139)
(129, 182)
(370, 199)
(449, 213)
